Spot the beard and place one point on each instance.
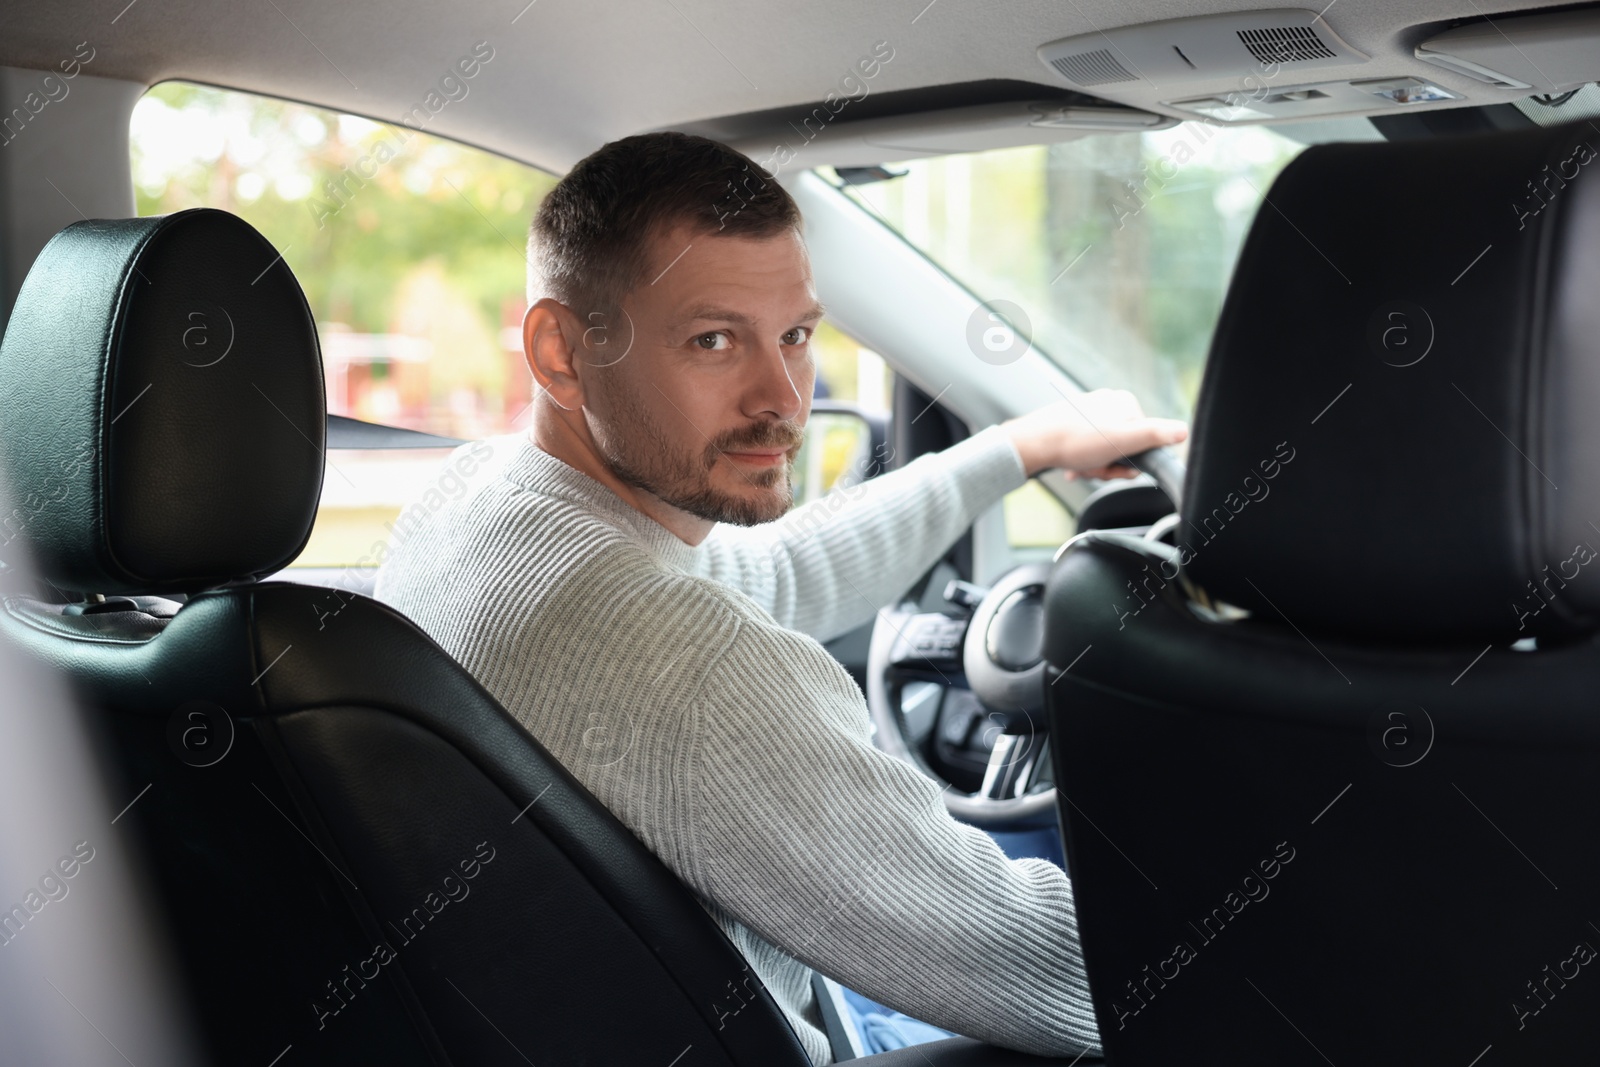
(639, 452)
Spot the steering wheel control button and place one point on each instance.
(1015, 637)
(933, 636)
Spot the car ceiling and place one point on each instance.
(569, 75)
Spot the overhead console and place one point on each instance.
(1270, 66)
(1551, 53)
(1272, 57)
(1286, 64)
(1202, 48)
(883, 127)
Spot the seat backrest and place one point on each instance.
(1326, 764)
(363, 857)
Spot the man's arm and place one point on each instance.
(827, 567)
(846, 859)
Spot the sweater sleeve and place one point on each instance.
(827, 567)
(846, 859)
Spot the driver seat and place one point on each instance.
(1327, 764)
(362, 856)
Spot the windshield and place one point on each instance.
(1116, 248)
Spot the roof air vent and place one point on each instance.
(1098, 67)
(1202, 53)
(1285, 44)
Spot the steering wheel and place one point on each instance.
(989, 646)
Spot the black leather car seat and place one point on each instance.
(362, 858)
(1328, 765)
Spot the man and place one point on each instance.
(629, 584)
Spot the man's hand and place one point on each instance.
(1091, 435)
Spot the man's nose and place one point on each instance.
(773, 389)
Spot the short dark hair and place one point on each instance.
(589, 239)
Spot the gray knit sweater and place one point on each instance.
(687, 689)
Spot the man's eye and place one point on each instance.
(797, 336)
(711, 342)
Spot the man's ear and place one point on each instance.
(547, 345)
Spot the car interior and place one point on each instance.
(1299, 708)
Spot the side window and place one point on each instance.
(1035, 518)
(852, 381)
(849, 371)
(410, 250)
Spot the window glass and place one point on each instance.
(838, 449)
(1035, 518)
(846, 371)
(1116, 247)
(835, 455)
(410, 249)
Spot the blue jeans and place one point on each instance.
(882, 1029)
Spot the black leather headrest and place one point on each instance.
(162, 415)
(1399, 430)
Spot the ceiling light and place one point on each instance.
(1406, 90)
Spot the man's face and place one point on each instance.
(706, 410)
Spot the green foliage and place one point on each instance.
(286, 168)
(1118, 247)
